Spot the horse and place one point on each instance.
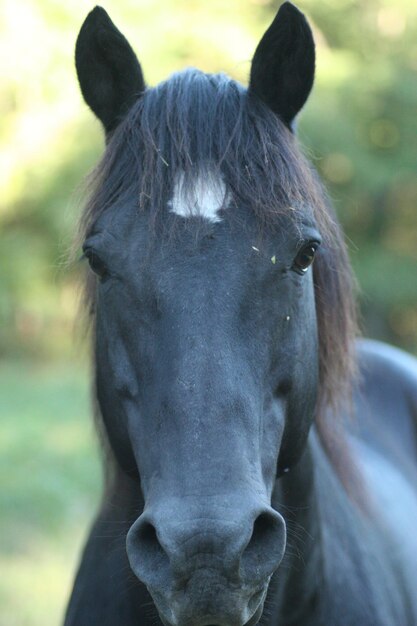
(260, 458)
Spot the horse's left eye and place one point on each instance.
(305, 257)
(97, 264)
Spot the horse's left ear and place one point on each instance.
(282, 71)
(108, 71)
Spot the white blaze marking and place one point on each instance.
(204, 198)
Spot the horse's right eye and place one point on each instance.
(97, 264)
(305, 257)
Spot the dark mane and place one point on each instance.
(194, 119)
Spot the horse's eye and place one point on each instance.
(305, 257)
(96, 263)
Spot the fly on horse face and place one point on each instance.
(252, 476)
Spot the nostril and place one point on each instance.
(149, 545)
(147, 557)
(255, 600)
(263, 537)
(265, 548)
(147, 537)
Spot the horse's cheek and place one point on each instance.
(272, 431)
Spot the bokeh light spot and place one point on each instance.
(384, 133)
(337, 168)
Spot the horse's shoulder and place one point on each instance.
(380, 362)
(386, 402)
(387, 386)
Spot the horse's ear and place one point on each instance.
(282, 71)
(108, 71)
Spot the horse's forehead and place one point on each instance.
(202, 194)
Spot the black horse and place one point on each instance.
(237, 493)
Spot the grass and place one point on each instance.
(49, 487)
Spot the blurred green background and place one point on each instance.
(360, 130)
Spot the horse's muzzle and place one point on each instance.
(207, 567)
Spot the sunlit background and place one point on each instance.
(359, 128)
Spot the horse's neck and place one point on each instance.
(333, 553)
(322, 569)
(299, 579)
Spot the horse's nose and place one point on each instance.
(167, 549)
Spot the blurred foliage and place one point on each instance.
(359, 128)
(49, 486)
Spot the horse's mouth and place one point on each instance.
(251, 622)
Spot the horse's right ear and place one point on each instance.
(282, 71)
(108, 71)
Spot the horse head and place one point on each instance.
(201, 231)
